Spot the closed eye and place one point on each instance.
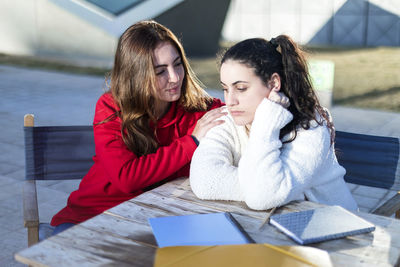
(160, 72)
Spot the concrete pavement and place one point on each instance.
(69, 99)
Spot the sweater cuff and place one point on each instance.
(195, 140)
(189, 146)
(270, 117)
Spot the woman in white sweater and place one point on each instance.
(277, 142)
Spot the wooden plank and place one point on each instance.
(339, 259)
(134, 215)
(379, 248)
(29, 120)
(48, 253)
(360, 249)
(153, 205)
(135, 226)
(267, 234)
(82, 246)
(29, 199)
(120, 251)
(138, 211)
(33, 235)
(123, 228)
(387, 229)
(167, 191)
(31, 213)
(182, 191)
(273, 236)
(350, 247)
(122, 236)
(390, 207)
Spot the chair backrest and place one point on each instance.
(369, 160)
(58, 152)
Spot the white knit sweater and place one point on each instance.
(263, 172)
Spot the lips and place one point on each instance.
(173, 89)
(236, 112)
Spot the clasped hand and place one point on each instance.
(208, 121)
(279, 98)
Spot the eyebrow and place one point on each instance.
(234, 82)
(166, 65)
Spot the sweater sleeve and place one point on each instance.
(271, 175)
(127, 171)
(213, 174)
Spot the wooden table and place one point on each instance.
(122, 236)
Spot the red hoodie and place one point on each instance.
(118, 174)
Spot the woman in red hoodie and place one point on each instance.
(146, 127)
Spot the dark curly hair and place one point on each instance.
(282, 55)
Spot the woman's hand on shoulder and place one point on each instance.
(208, 121)
(279, 98)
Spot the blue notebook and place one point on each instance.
(198, 229)
(321, 224)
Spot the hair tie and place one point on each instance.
(275, 45)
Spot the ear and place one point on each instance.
(275, 82)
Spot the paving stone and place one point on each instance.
(4, 180)
(11, 221)
(66, 186)
(12, 243)
(366, 121)
(9, 190)
(8, 167)
(18, 174)
(11, 204)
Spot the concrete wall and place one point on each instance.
(82, 33)
(70, 30)
(318, 22)
(40, 28)
(300, 19)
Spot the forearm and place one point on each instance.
(213, 174)
(272, 175)
(131, 173)
(214, 180)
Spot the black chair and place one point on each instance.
(52, 153)
(371, 161)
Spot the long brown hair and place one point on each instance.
(133, 84)
(283, 56)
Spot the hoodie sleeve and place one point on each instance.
(213, 172)
(271, 175)
(127, 171)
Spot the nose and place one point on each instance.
(230, 99)
(173, 76)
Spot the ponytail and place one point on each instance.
(298, 88)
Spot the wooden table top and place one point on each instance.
(122, 235)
